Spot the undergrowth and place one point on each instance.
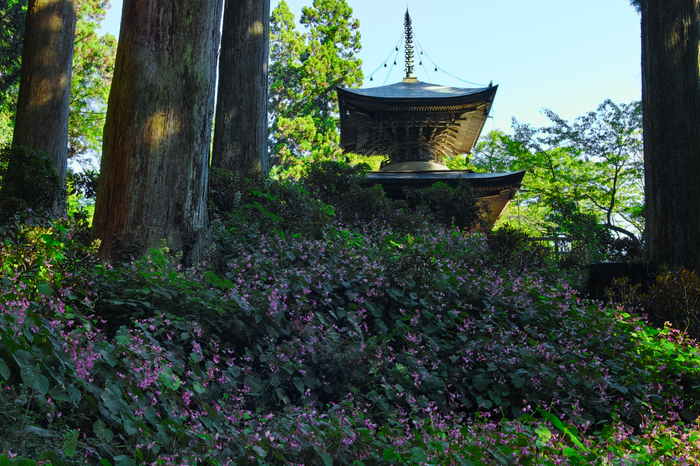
(328, 339)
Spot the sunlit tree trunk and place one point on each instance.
(154, 173)
(44, 93)
(671, 105)
(240, 136)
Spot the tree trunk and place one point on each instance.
(671, 105)
(241, 132)
(43, 103)
(154, 174)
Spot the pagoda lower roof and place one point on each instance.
(494, 190)
(482, 183)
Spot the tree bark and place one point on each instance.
(671, 105)
(43, 103)
(154, 173)
(241, 132)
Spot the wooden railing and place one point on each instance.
(563, 248)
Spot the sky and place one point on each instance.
(564, 55)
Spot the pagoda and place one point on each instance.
(416, 126)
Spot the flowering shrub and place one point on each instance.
(357, 343)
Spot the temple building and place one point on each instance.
(416, 126)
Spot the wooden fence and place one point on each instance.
(563, 248)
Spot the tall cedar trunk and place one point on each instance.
(43, 103)
(671, 104)
(154, 174)
(240, 135)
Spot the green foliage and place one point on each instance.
(450, 206)
(340, 185)
(12, 18)
(494, 153)
(344, 343)
(7, 116)
(513, 249)
(30, 182)
(84, 183)
(93, 67)
(584, 179)
(255, 203)
(595, 162)
(304, 71)
(82, 190)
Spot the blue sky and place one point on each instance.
(565, 55)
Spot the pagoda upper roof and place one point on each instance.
(417, 96)
(367, 114)
(415, 90)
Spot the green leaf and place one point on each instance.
(169, 380)
(24, 358)
(123, 460)
(44, 289)
(70, 442)
(253, 383)
(4, 369)
(102, 432)
(41, 384)
(299, 383)
(260, 451)
(327, 459)
(312, 382)
(198, 388)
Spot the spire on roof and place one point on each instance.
(409, 48)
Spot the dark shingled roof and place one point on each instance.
(365, 112)
(481, 182)
(417, 90)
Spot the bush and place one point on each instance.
(304, 346)
(449, 206)
(29, 181)
(341, 186)
(512, 248)
(84, 183)
(253, 204)
(674, 298)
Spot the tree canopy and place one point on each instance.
(12, 18)
(585, 172)
(93, 65)
(305, 69)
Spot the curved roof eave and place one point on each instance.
(416, 94)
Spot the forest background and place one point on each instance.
(605, 66)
